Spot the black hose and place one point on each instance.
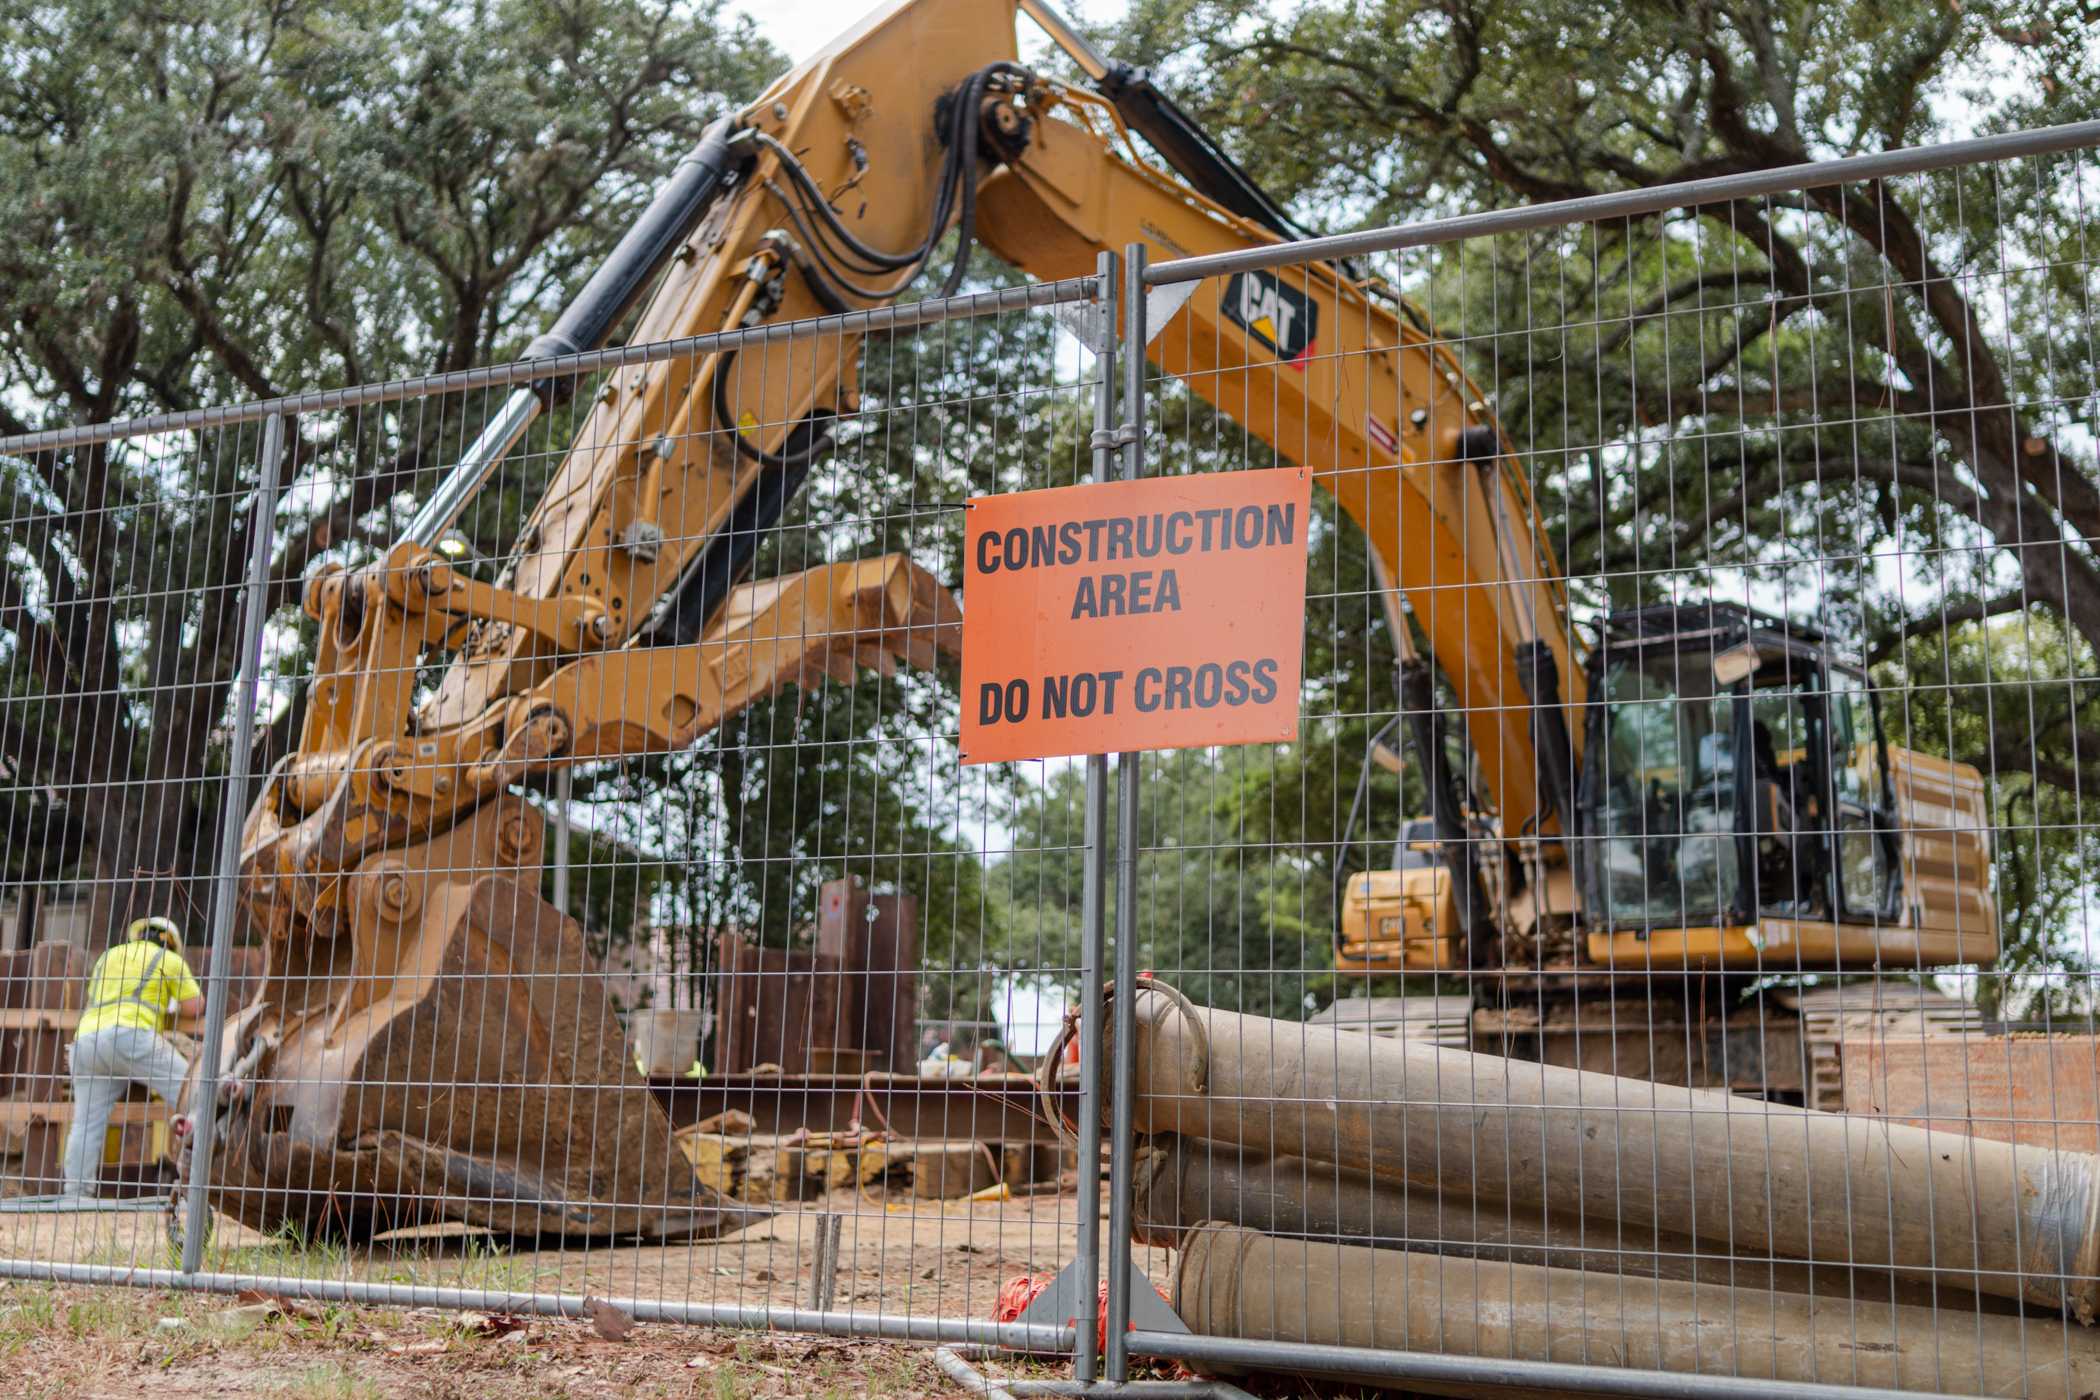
(823, 278)
(818, 445)
(958, 170)
(966, 222)
(830, 242)
(820, 206)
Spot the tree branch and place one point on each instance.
(1946, 619)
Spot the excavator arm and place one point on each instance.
(680, 464)
(390, 861)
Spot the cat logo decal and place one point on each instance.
(1278, 315)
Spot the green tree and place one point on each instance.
(861, 779)
(1976, 690)
(223, 200)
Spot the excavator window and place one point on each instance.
(1667, 788)
(1784, 812)
(1866, 855)
(1730, 783)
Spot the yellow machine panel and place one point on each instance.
(1400, 921)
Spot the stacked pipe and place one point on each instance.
(1747, 1238)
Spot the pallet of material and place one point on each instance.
(2034, 1090)
(766, 1170)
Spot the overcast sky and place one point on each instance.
(801, 27)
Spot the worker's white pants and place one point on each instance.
(105, 1064)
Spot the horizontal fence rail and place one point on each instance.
(585, 362)
(1638, 203)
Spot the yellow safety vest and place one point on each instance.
(139, 984)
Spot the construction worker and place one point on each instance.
(131, 994)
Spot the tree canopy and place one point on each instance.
(228, 200)
(1867, 405)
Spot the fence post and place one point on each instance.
(255, 606)
(558, 833)
(1122, 1142)
(1093, 930)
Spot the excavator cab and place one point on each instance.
(1736, 772)
(1737, 807)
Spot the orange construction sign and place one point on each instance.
(1157, 614)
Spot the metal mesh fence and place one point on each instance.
(1664, 944)
(1659, 961)
(607, 914)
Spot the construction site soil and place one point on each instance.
(926, 1258)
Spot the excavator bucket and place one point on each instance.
(432, 1040)
(455, 1057)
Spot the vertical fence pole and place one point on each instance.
(255, 606)
(1122, 1143)
(564, 789)
(1093, 929)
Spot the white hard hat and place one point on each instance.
(156, 928)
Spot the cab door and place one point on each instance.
(1866, 860)
(1782, 800)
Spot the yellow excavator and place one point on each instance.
(432, 1040)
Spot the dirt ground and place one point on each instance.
(107, 1343)
(896, 1255)
(899, 1256)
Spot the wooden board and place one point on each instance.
(720, 1162)
(17, 1115)
(767, 1170)
(1029, 1163)
(942, 1171)
(2042, 1091)
(777, 1174)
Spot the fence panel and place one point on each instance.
(613, 918)
(1666, 943)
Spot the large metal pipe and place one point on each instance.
(1181, 1183)
(1747, 1176)
(1238, 1283)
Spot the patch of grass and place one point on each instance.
(27, 1311)
(287, 1254)
(328, 1380)
(114, 1313)
(487, 1265)
(893, 1372)
(826, 1370)
(32, 1305)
